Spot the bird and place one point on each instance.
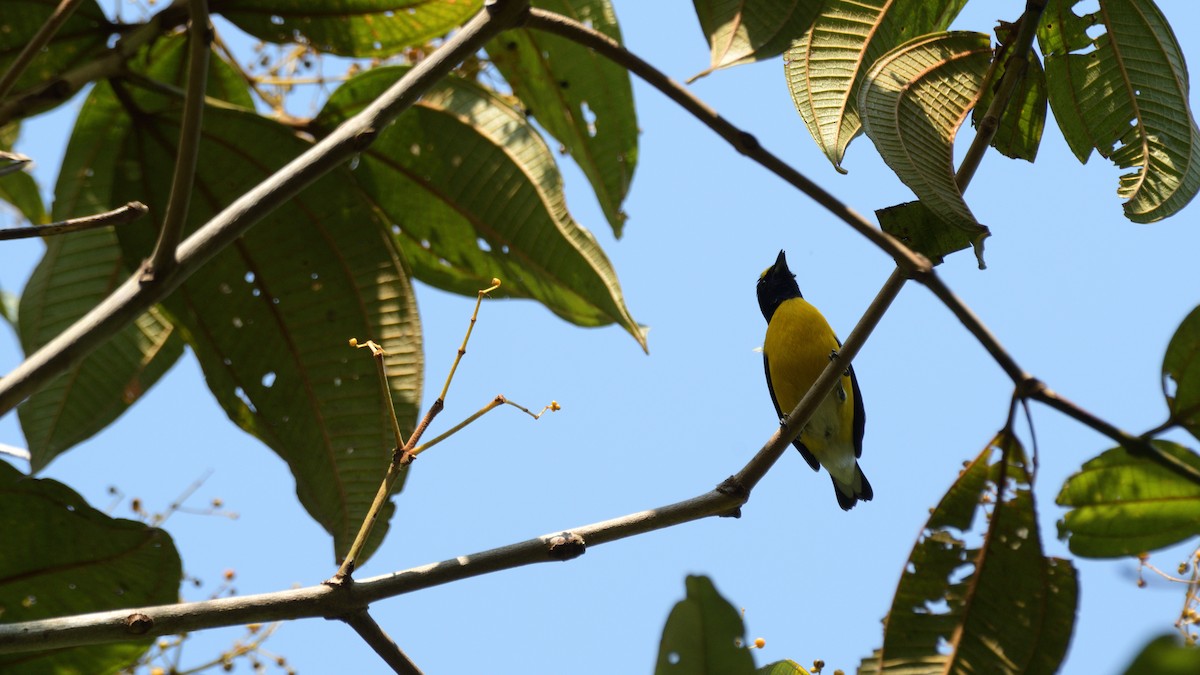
(799, 344)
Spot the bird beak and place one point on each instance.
(781, 262)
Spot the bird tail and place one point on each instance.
(849, 494)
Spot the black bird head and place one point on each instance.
(775, 285)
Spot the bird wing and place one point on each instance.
(804, 452)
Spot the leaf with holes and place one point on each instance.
(348, 28)
(74, 275)
(825, 67)
(91, 563)
(751, 30)
(912, 102)
(999, 607)
(472, 193)
(584, 100)
(1125, 95)
(703, 634)
(269, 317)
(1123, 504)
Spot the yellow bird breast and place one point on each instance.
(798, 346)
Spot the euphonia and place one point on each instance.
(798, 346)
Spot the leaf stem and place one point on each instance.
(199, 41)
(1014, 71)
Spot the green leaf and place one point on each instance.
(704, 634)
(744, 31)
(1164, 655)
(1019, 132)
(76, 273)
(1125, 95)
(1122, 504)
(19, 188)
(8, 307)
(472, 193)
(912, 102)
(80, 38)
(826, 66)
(1181, 364)
(91, 563)
(348, 27)
(787, 667)
(583, 100)
(269, 317)
(1000, 608)
(921, 230)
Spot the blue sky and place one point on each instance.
(1082, 298)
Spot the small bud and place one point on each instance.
(495, 281)
(353, 342)
(759, 643)
(229, 575)
(217, 502)
(554, 406)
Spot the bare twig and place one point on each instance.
(403, 454)
(199, 38)
(132, 298)
(366, 627)
(128, 213)
(57, 18)
(12, 162)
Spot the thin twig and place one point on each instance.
(366, 627)
(57, 18)
(125, 214)
(470, 328)
(132, 298)
(12, 162)
(402, 455)
(199, 38)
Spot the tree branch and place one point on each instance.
(741, 141)
(366, 627)
(199, 38)
(128, 213)
(337, 601)
(132, 298)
